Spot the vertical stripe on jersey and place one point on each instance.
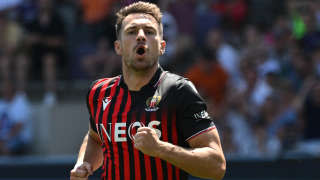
(143, 169)
(104, 122)
(175, 138)
(102, 94)
(156, 162)
(136, 153)
(106, 150)
(91, 95)
(116, 110)
(126, 161)
(130, 119)
(147, 160)
(94, 96)
(165, 130)
(162, 129)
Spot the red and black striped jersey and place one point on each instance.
(168, 103)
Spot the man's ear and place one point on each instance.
(117, 47)
(163, 47)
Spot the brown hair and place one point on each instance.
(139, 7)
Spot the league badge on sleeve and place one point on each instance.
(201, 115)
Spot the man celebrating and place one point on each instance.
(147, 123)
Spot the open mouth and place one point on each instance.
(141, 51)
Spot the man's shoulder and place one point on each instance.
(175, 77)
(181, 89)
(103, 81)
(179, 80)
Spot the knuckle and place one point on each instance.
(72, 172)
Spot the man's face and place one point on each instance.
(140, 43)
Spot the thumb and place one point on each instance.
(87, 166)
(81, 173)
(83, 170)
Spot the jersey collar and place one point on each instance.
(153, 83)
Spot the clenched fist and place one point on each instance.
(81, 171)
(147, 141)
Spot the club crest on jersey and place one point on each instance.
(152, 103)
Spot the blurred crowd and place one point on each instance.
(256, 62)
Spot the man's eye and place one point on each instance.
(131, 32)
(149, 32)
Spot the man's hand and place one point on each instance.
(147, 141)
(81, 171)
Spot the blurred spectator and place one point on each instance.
(244, 104)
(46, 46)
(209, 77)
(103, 62)
(184, 55)
(263, 12)
(227, 56)
(305, 26)
(13, 61)
(238, 118)
(184, 13)
(228, 145)
(96, 18)
(281, 44)
(299, 69)
(312, 113)
(316, 61)
(252, 37)
(311, 39)
(15, 125)
(205, 20)
(264, 145)
(254, 88)
(295, 9)
(310, 144)
(233, 12)
(315, 6)
(170, 33)
(27, 12)
(94, 11)
(285, 123)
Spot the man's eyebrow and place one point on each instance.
(133, 26)
(150, 27)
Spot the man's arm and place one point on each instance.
(90, 156)
(205, 159)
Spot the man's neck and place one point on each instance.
(135, 80)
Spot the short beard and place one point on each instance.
(137, 69)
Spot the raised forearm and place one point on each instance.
(203, 162)
(90, 152)
(205, 159)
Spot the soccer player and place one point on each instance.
(147, 123)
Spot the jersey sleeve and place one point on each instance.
(193, 116)
(90, 98)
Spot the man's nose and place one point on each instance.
(141, 36)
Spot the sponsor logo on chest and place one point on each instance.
(118, 132)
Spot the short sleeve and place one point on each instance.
(90, 101)
(193, 116)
